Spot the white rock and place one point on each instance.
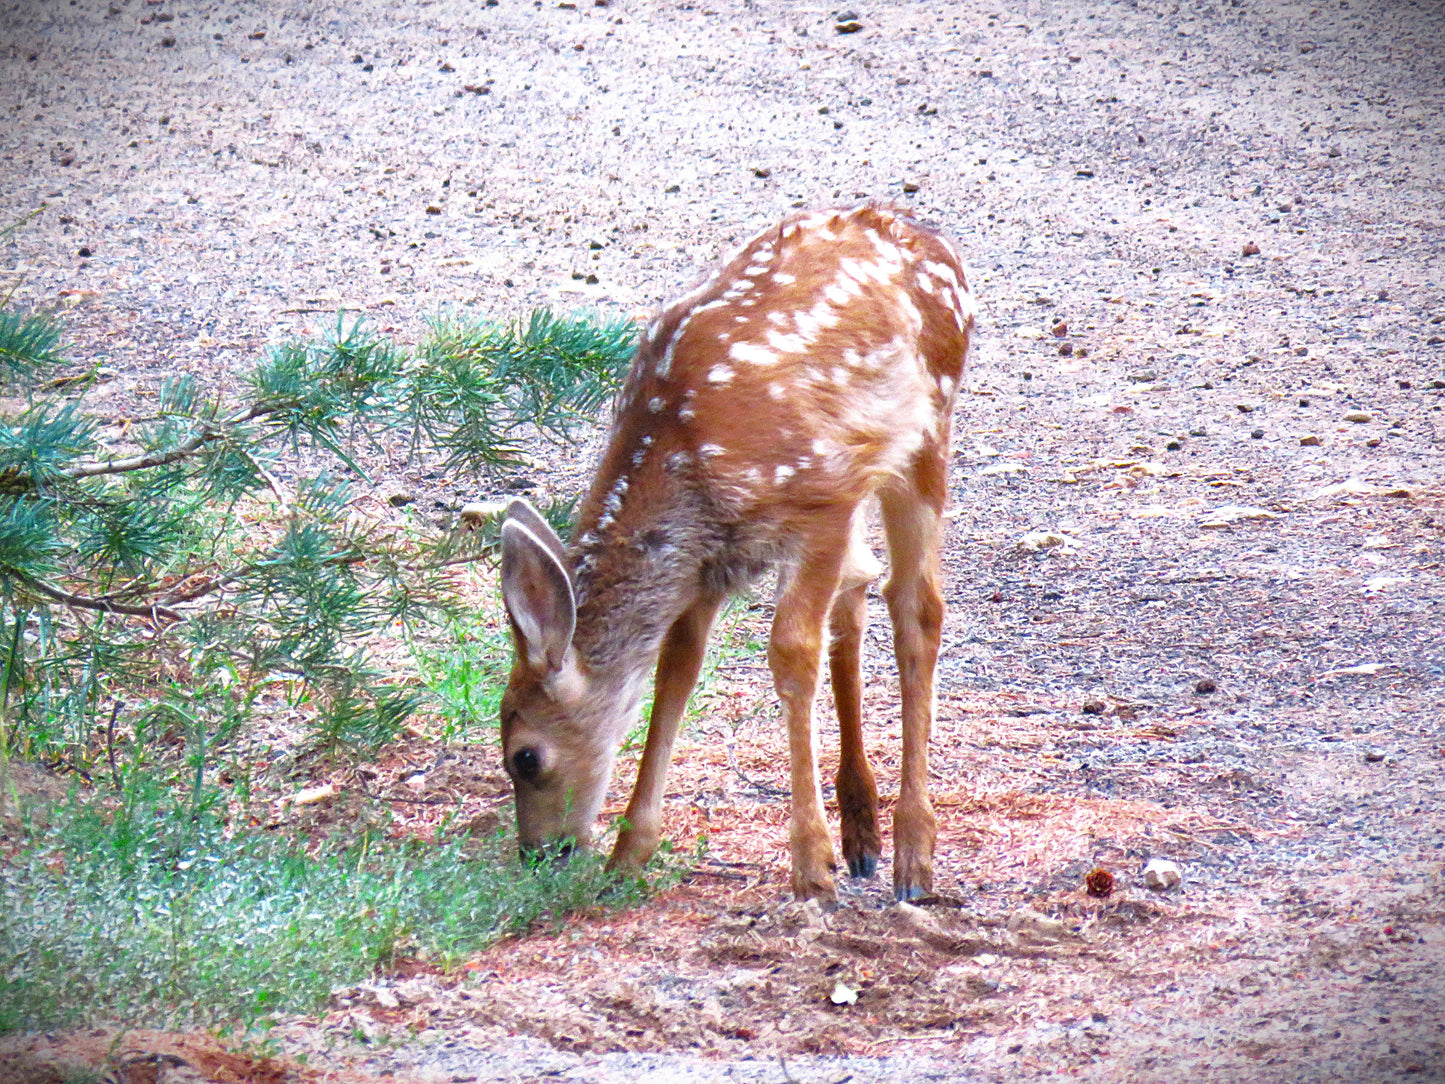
(843, 995)
(1161, 874)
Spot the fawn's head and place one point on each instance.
(559, 729)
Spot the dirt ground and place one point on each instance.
(1197, 610)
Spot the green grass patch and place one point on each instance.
(167, 914)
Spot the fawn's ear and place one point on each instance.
(538, 593)
(521, 511)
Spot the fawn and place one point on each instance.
(817, 369)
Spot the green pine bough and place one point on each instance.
(160, 574)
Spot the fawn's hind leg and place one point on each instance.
(857, 790)
(913, 519)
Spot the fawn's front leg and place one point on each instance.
(795, 656)
(677, 669)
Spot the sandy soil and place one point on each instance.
(1195, 587)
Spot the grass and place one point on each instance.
(168, 914)
(465, 671)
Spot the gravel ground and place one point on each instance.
(1198, 494)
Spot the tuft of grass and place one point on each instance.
(166, 914)
(465, 672)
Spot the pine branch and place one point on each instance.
(105, 605)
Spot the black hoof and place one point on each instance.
(909, 892)
(863, 865)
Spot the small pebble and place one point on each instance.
(1359, 417)
(1160, 874)
(1251, 249)
(1374, 756)
(1093, 707)
(1256, 434)
(1205, 686)
(1065, 349)
(1309, 440)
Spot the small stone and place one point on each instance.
(167, 41)
(83, 252)
(1374, 756)
(672, 188)
(843, 994)
(1066, 349)
(1250, 249)
(1359, 417)
(1148, 376)
(1205, 686)
(591, 280)
(1093, 707)
(1301, 351)
(1061, 329)
(1309, 440)
(910, 187)
(1160, 874)
(400, 499)
(384, 997)
(758, 171)
(433, 209)
(1256, 434)
(1244, 408)
(1173, 446)
(1198, 431)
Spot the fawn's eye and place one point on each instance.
(526, 764)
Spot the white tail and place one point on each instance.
(815, 370)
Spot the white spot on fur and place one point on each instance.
(755, 270)
(752, 354)
(720, 374)
(946, 385)
(821, 317)
(710, 451)
(686, 414)
(782, 278)
(789, 230)
(926, 284)
(835, 293)
(655, 404)
(776, 390)
(940, 271)
(967, 306)
(788, 344)
(910, 313)
(740, 319)
(781, 473)
(776, 317)
(653, 329)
